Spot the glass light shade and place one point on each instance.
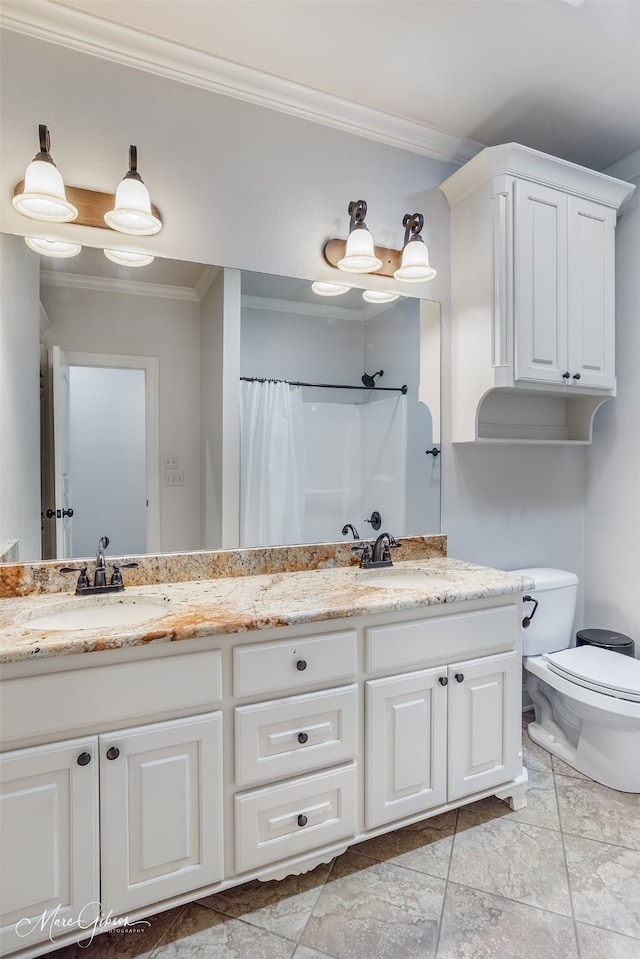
(329, 289)
(43, 197)
(125, 258)
(415, 266)
(58, 248)
(132, 211)
(377, 296)
(359, 256)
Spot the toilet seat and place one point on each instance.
(601, 670)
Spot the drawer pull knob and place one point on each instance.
(84, 759)
(301, 665)
(302, 820)
(303, 737)
(443, 680)
(113, 752)
(459, 677)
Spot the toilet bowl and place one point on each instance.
(586, 699)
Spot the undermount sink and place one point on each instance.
(403, 579)
(97, 616)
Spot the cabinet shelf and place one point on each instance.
(510, 416)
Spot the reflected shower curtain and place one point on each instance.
(271, 464)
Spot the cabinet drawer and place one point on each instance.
(293, 817)
(59, 703)
(289, 736)
(293, 664)
(429, 642)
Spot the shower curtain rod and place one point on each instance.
(324, 386)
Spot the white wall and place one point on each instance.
(94, 321)
(19, 398)
(612, 527)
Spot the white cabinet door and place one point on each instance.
(48, 842)
(406, 738)
(540, 283)
(484, 723)
(161, 810)
(591, 294)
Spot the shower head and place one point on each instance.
(370, 381)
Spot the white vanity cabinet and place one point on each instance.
(437, 735)
(141, 778)
(533, 311)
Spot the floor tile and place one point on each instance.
(201, 933)
(280, 907)
(424, 846)
(476, 925)
(303, 952)
(564, 769)
(371, 909)
(533, 755)
(601, 944)
(511, 859)
(595, 812)
(137, 940)
(605, 884)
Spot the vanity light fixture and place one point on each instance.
(132, 211)
(377, 296)
(329, 289)
(414, 266)
(126, 258)
(43, 195)
(57, 248)
(359, 255)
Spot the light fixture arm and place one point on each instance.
(132, 172)
(357, 212)
(412, 223)
(45, 145)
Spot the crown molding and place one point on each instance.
(628, 168)
(105, 284)
(76, 30)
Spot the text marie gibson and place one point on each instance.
(89, 918)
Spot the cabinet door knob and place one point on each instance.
(566, 375)
(301, 665)
(113, 752)
(459, 677)
(443, 680)
(303, 737)
(302, 820)
(576, 376)
(84, 759)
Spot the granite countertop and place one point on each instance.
(189, 610)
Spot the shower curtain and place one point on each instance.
(271, 464)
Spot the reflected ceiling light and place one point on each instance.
(415, 266)
(132, 211)
(377, 296)
(125, 258)
(43, 196)
(57, 248)
(329, 289)
(359, 255)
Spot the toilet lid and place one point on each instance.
(599, 669)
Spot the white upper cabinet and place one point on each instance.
(533, 313)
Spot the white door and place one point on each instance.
(591, 358)
(48, 842)
(540, 283)
(161, 811)
(406, 734)
(61, 390)
(484, 723)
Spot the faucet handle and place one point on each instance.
(83, 579)
(365, 552)
(116, 576)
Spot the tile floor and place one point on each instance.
(557, 880)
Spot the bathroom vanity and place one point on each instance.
(254, 727)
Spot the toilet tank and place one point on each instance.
(551, 627)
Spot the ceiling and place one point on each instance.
(560, 76)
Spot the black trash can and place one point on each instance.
(606, 639)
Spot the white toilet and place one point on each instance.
(586, 700)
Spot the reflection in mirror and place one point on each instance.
(340, 455)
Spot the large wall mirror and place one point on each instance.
(177, 426)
